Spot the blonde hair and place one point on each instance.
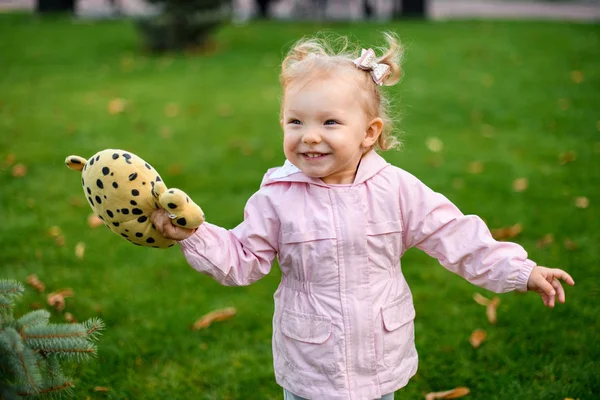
(318, 56)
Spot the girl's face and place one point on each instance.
(325, 128)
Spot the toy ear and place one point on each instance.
(75, 162)
(158, 188)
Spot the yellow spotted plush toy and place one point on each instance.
(123, 190)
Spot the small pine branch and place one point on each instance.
(11, 288)
(30, 349)
(22, 362)
(33, 318)
(94, 328)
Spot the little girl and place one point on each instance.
(338, 218)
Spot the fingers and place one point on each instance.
(161, 220)
(559, 273)
(560, 292)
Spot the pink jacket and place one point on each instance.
(343, 321)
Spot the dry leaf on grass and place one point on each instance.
(33, 281)
(566, 157)
(448, 394)
(54, 231)
(548, 239)
(491, 310)
(116, 106)
(57, 298)
(171, 110)
(576, 76)
(582, 202)
(434, 144)
(60, 241)
(213, 316)
(477, 337)
(70, 318)
(520, 184)
(476, 167)
(570, 245)
(19, 170)
(93, 221)
(9, 159)
(507, 232)
(80, 250)
(101, 389)
(481, 299)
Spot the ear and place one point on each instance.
(374, 129)
(281, 123)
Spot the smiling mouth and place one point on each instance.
(314, 155)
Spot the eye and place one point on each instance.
(294, 121)
(331, 122)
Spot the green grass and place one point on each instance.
(498, 93)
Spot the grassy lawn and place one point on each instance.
(507, 100)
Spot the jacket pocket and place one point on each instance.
(398, 330)
(385, 242)
(310, 254)
(306, 341)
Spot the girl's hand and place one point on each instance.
(546, 282)
(160, 219)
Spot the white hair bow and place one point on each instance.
(368, 62)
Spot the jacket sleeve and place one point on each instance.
(462, 243)
(240, 256)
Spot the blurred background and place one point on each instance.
(498, 109)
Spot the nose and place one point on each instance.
(311, 136)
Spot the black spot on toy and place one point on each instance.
(182, 221)
(135, 192)
(133, 176)
(105, 170)
(100, 184)
(137, 211)
(172, 206)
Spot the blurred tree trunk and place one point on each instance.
(263, 8)
(45, 6)
(409, 8)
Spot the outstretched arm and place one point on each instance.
(235, 257)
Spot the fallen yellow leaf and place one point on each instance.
(477, 337)
(116, 106)
(480, 299)
(101, 389)
(33, 281)
(448, 394)
(570, 245)
(476, 167)
(491, 310)
(566, 157)
(9, 159)
(520, 184)
(576, 76)
(434, 144)
(93, 221)
(582, 202)
(80, 250)
(507, 232)
(70, 317)
(545, 241)
(19, 170)
(57, 298)
(54, 231)
(171, 110)
(213, 316)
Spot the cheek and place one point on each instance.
(288, 145)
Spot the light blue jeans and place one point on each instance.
(291, 396)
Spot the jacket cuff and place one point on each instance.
(195, 240)
(523, 276)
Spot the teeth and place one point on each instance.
(313, 155)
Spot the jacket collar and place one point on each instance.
(370, 164)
